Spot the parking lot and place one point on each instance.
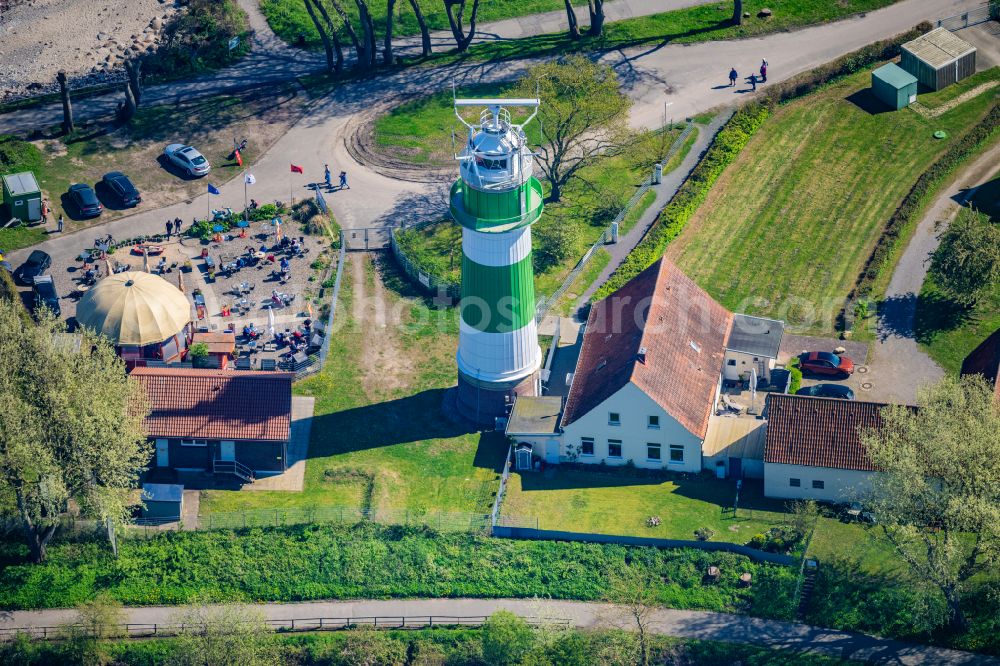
(863, 382)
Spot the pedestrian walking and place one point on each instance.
(763, 71)
(45, 211)
(753, 82)
(177, 226)
(170, 227)
(326, 175)
(59, 224)
(343, 181)
(733, 76)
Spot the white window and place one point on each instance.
(653, 422)
(676, 453)
(732, 361)
(614, 418)
(653, 452)
(818, 485)
(614, 448)
(194, 442)
(586, 446)
(795, 483)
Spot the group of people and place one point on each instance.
(327, 176)
(173, 226)
(752, 79)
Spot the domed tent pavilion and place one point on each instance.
(143, 315)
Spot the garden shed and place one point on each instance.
(894, 86)
(938, 58)
(163, 501)
(22, 196)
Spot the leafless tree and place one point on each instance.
(323, 34)
(596, 8)
(390, 8)
(738, 12)
(425, 34)
(462, 39)
(574, 27)
(133, 68)
(351, 33)
(368, 31)
(67, 104)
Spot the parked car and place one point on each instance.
(44, 294)
(85, 200)
(37, 263)
(187, 158)
(827, 391)
(826, 363)
(122, 187)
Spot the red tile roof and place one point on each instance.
(819, 432)
(217, 404)
(683, 332)
(985, 360)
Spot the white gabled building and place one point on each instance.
(648, 374)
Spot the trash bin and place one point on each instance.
(657, 173)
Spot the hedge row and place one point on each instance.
(728, 143)
(912, 203)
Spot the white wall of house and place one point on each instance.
(753, 468)
(839, 485)
(633, 408)
(735, 363)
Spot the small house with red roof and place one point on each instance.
(813, 447)
(985, 360)
(220, 421)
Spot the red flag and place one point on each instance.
(239, 158)
(297, 169)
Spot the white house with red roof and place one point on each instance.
(646, 380)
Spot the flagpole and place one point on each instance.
(245, 216)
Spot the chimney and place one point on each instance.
(642, 355)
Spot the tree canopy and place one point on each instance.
(70, 425)
(967, 262)
(583, 116)
(937, 502)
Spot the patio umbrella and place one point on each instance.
(270, 320)
(218, 227)
(243, 224)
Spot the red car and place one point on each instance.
(825, 363)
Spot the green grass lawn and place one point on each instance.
(786, 230)
(708, 22)
(617, 502)
(378, 412)
(948, 331)
(598, 262)
(208, 124)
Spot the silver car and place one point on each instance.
(188, 159)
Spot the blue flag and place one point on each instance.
(212, 189)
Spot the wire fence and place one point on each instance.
(442, 521)
(149, 630)
(980, 14)
(545, 304)
(315, 362)
(427, 281)
(498, 501)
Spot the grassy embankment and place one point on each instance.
(786, 230)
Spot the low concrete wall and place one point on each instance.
(718, 546)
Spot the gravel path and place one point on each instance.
(896, 357)
(668, 622)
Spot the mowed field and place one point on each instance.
(786, 230)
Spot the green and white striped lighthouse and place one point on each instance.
(496, 200)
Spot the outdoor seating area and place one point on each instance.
(274, 348)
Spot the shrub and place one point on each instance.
(198, 39)
(704, 533)
(506, 639)
(776, 540)
(728, 143)
(795, 374)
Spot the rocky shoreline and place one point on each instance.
(89, 39)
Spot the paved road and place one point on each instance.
(896, 358)
(682, 624)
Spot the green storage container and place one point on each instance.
(894, 86)
(21, 197)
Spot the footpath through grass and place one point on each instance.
(369, 561)
(787, 228)
(379, 437)
(706, 22)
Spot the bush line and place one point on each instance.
(912, 203)
(731, 140)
